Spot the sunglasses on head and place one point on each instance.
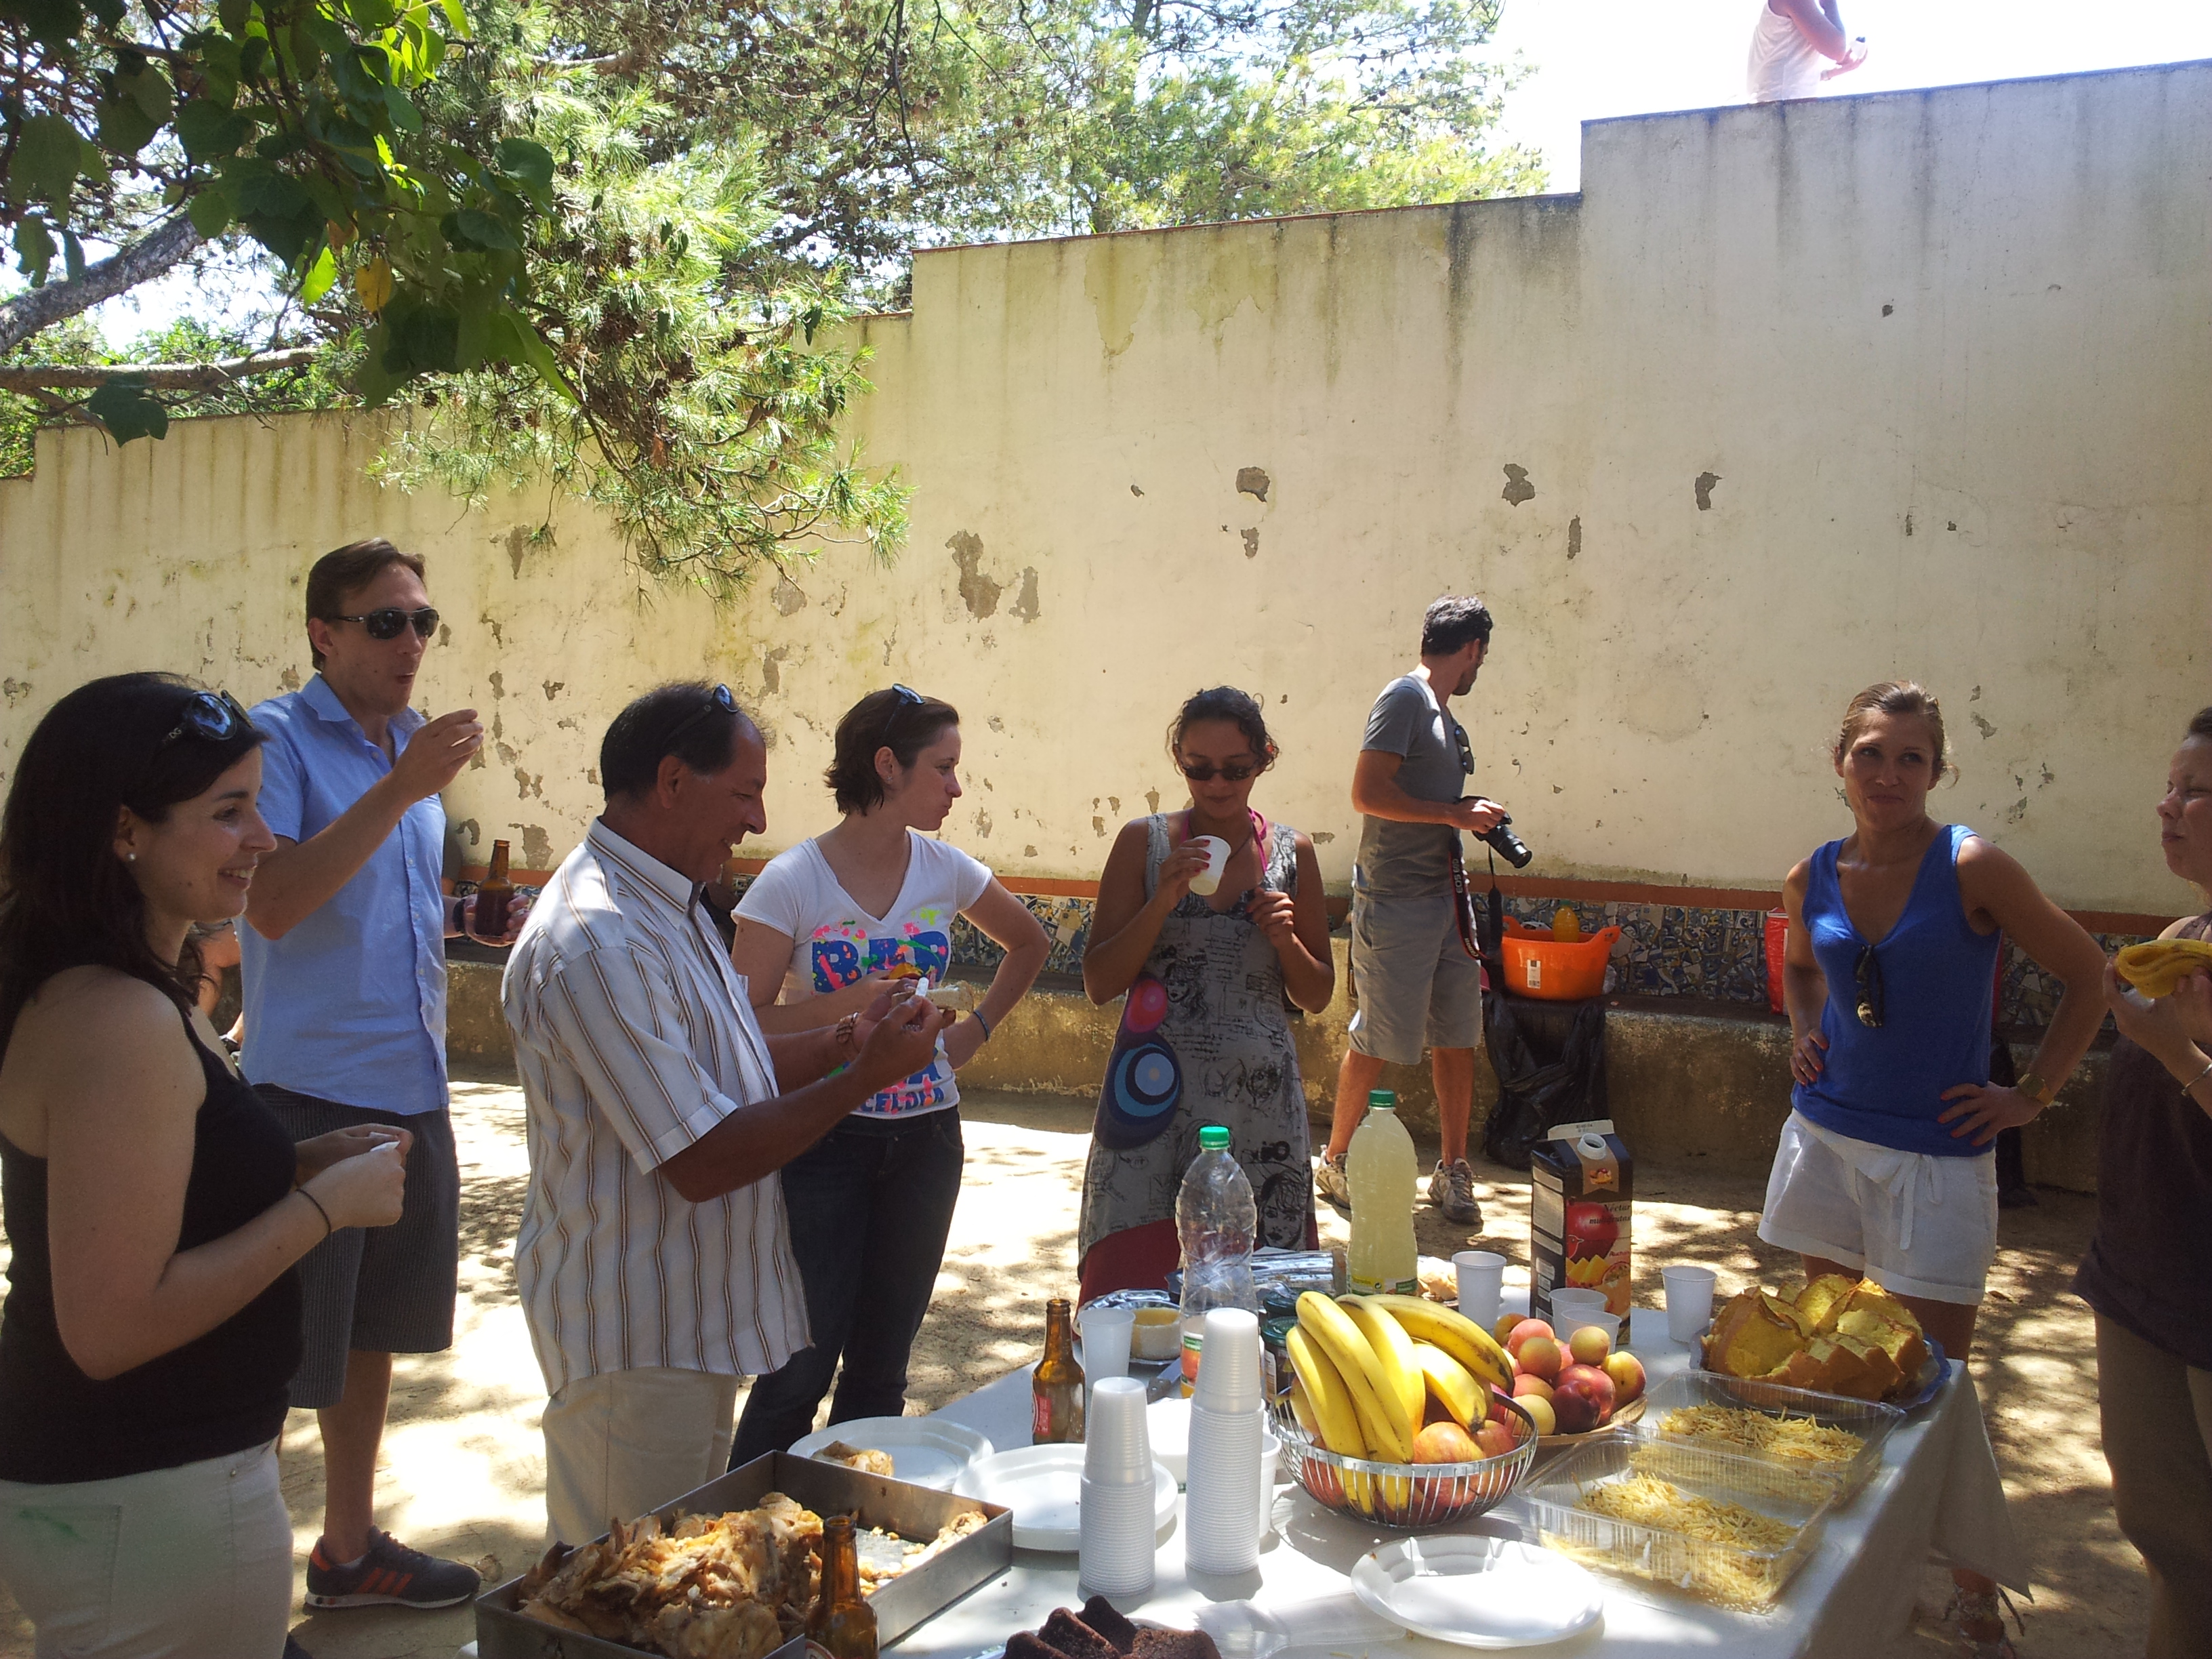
(719, 700)
(1205, 771)
(386, 624)
(1868, 976)
(210, 716)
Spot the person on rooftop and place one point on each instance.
(1796, 46)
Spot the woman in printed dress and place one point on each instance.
(1204, 1037)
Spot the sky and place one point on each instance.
(1600, 57)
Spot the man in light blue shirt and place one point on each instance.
(344, 970)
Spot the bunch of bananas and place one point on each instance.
(2156, 966)
(1366, 1366)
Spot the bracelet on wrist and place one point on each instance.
(319, 1210)
(2192, 1082)
(978, 1017)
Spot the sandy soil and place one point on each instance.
(463, 1468)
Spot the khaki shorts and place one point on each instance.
(1415, 984)
(619, 1445)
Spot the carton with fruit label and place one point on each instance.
(1582, 1214)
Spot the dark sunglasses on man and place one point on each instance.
(718, 699)
(386, 624)
(210, 716)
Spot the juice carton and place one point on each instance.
(1582, 1214)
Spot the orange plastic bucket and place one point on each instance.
(1538, 965)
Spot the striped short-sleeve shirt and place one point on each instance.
(634, 1038)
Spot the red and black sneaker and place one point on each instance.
(390, 1575)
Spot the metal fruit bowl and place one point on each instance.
(1409, 1495)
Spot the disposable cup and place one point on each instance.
(1481, 1284)
(1271, 1451)
(1222, 1499)
(1207, 881)
(1117, 1538)
(1566, 1305)
(1116, 1450)
(1609, 1323)
(1106, 1333)
(1689, 1302)
(1229, 1362)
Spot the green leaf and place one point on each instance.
(374, 15)
(212, 210)
(480, 230)
(48, 154)
(403, 114)
(72, 254)
(518, 158)
(209, 132)
(124, 126)
(270, 193)
(235, 14)
(456, 19)
(321, 276)
(151, 91)
(52, 23)
(128, 410)
(35, 248)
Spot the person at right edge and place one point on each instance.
(2153, 1301)
(1796, 46)
(1885, 1165)
(1414, 983)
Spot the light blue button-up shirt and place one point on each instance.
(350, 1005)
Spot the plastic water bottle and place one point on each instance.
(1384, 1171)
(1217, 1220)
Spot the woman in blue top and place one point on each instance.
(1885, 1166)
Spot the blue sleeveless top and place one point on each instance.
(1884, 1085)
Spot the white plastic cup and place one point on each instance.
(1229, 1363)
(1584, 1317)
(1689, 1302)
(1116, 1448)
(1271, 1451)
(1567, 1305)
(1116, 1539)
(1481, 1284)
(1106, 1334)
(1222, 1502)
(1208, 882)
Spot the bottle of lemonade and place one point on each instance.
(1384, 1171)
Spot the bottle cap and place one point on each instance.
(1381, 1100)
(1212, 1138)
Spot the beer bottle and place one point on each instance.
(493, 894)
(1056, 1386)
(840, 1625)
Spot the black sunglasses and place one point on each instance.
(210, 716)
(1465, 749)
(386, 624)
(1205, 771)
(1868, 976)
(719, 699)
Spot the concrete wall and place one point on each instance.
(1789, 399)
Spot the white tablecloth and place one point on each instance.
(1936, 1495)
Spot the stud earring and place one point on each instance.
(131, 857)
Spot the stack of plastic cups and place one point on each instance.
(1228, 1430)
(1117, 1532)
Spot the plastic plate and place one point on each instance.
(1477, 1591)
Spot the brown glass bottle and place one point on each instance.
(840, 1625)
(493, 894)
(1056, 1386)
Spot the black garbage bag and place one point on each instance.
(1550, 1061)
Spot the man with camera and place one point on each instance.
(1416, 986)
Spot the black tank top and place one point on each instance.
(218, 1394)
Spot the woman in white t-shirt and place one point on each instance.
(831, 923)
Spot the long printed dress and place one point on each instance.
(1204, 1039)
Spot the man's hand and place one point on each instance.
(1275, 914)
(901, 1042)
(517, 912)
(435, 754)
(310, 1157)
(1476, 814)
(1854, 54)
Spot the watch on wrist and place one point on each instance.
(2036, 1088)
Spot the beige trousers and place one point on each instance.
(2157, 1415)
(622, 1443)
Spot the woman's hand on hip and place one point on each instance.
(1982, 1112)
(1807, 1057)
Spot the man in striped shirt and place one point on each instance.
(653, 1259)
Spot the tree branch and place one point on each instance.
(148, 257)
(158, 376)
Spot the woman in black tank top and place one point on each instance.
(152, 1319)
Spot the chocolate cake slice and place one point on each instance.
(1075, 1638)
(1106, 1618)
(1024, 1645)
(1174, 1645)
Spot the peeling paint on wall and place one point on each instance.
(1251, 480)
(536, 849)
(1517, 487)
(772, 668)
(1703, 489)
(553, 688)
(1025, 597)
(789, 599)
(1251, 542)
(15, 690)
(1574, 536)
(977, 590)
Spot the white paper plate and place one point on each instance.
(1480, 1592)
(926, 1451)
(1043, 1486)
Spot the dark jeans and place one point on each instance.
(870, 1204)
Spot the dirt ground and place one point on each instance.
(462, 1470)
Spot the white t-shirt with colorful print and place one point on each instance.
(835, 942)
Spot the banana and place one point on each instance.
(1398, 1382)
(1302, 1408)
(2157, 966)
(1336, 1420)
(1389, 1440)
(1452, 1384)
(1459, 1336)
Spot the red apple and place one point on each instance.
(1582, 1400)
(1590, 1345)
(1591, 1230)
(1446, 1442)
(1541, 1356)
(1627, 1371)
(1497, 1439)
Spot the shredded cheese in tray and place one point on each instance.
(1800, 1439)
